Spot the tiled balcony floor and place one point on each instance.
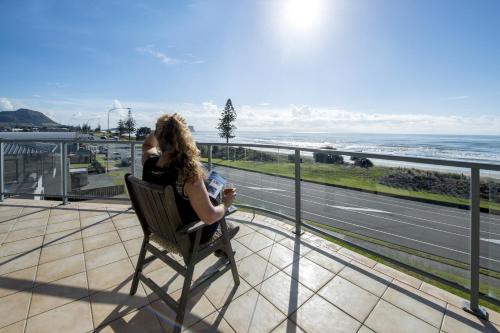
(68, 269)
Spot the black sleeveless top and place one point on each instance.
(168, 176)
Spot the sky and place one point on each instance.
(375, 66)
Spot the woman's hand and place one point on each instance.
(228, 198)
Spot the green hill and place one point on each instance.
(26, 118)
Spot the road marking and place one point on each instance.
(266, 188)
(495, 241)
(361, 209)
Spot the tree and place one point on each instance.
(142, 133)
(226, 127)
(121, 127)
(129, 124)
(85, 128)
(98, 128)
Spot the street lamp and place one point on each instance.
(107, 152)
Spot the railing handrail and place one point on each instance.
(408, 159)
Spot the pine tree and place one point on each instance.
(121, 127)
(226, 127)
(129, 124)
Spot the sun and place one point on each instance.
(302, 15)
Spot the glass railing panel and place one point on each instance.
(97, 170)
(32, 169)
(490, 234)
(416, 214)
(263, 177)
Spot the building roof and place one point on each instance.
(38, 135)
(12, 148)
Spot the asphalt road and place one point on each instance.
(434, 229)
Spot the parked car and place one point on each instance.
(116, 156)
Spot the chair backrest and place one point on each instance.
(157, 212)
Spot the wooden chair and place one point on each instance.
(157, 212)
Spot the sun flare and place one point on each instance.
(302, 15)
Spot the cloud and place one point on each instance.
(210, 107)
(5, 104)
(455, 98)
(166, 59)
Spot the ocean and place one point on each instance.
(474, 148)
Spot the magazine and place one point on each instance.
(215, 184)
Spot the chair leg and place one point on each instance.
(138, 268)
(186, 288)
(229, 252)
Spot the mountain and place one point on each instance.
(26, 118)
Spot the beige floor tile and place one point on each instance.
(20, 225)
(62, 237)
(255, 241)
(105, 255)
(59, 251)
(24, 234)
(254, 269)
(73, 317)
(416, 302)
(115, 302)
(101, 240)
(17, 281)
(167, 278)
(288, 326)
(126, 222)
(357, 302)
(328, 259)
(358, 257)
(5, 227)
(389, 271)
(20, 246)
(279, 255)
(133, 246)
(252, 313)
(223, 290)
(390, 319)
(51, 295)
(198, 308)
(151, 267)
(206, 266)
(365, 329)
(212, 323)
(62, 226)
(457, 320)
(319, 316)
(110, 275)
(271, 232)
(309, 274)
(58, 269)
(373, 281)
(97, 229)
(40, 214)
(14, 328)
(139, 321)
(16, 262)
(296, 245)
(94, 220)
(14, 307)
(244, 229)
(442, 294)
(68, 216)
(285, 293)
(131, 233)
(241, 250)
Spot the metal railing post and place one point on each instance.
(64, 172)
(132, 154)
(475, 200)
(2, 189)
(209, 157)
(298, 211)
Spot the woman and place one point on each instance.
(170, 157)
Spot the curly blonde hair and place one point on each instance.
(174, 138)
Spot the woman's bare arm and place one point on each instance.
(200, 201)
(149, 147)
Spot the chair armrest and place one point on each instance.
(191, 227)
